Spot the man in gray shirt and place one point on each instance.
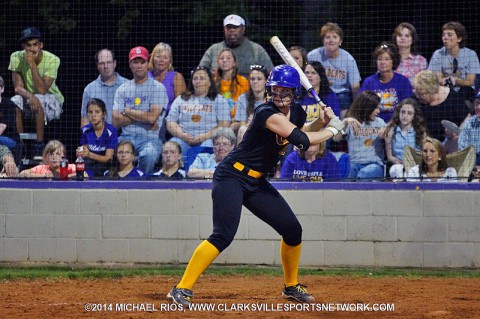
(103, 87)
(247, 52)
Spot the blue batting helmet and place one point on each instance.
(285, 76)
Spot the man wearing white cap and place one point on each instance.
(247, 52)
(136, 107)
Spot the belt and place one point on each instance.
(247, 170)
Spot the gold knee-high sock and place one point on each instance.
(290, 261)
(202, 257)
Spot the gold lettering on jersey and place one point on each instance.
(282, 141)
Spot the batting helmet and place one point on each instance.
(285, 76)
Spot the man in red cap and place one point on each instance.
(34, 72)
(247, 52)
(137, 106)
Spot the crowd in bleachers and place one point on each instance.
(163, 125)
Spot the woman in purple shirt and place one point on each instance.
(160, 68)
(390, 86)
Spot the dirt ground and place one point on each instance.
(246, 297)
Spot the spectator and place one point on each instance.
(137, 106)
(454, 64)
(475, 174)
(229, 83)
(407, 127)
(411, 63)
(172, 165)
(434, 166)
(34, 72)
(340, 66)
(300, 55)
(315, 73)
(8, 126)
(104, 86)
(392, 87)
(470, 134)
(247, 52)
(316, 164)
(438, 103)
(161, 69)
(98, 140)
(53, 154)
(197, 113)
(248, 102)
(123, 166)
(205, 164)
(364, 133)
(8, 167)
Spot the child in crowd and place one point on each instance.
(229, 82)
(53, 154)
(172, 165)
(411, 63)
(316, 164)
(407, 127)
(316, 75)
(98, 139)
(248, 102)
(299, 54)
(124, 167)
(364, 134)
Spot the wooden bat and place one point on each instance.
(287, 57)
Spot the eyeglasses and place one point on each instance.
(125, 153)
(257, 67)
(200, 68)
(222, 144)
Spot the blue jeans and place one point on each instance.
(148, 150)
(366, 171)
(345, 99)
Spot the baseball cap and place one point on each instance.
(30, 33)
(451, 126)
(233, 19)
(138, 52)
(478, 95)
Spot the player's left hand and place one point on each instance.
(327, 115)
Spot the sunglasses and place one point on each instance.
(257, 67)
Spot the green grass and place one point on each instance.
(8, 272)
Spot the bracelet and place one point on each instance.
(333, 130)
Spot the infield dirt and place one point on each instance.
(144, 297)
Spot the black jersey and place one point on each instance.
(261, 148)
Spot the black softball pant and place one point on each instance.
(231, 189)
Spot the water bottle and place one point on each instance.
(64, 169)
(80, 164)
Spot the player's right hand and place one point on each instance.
(336, 123)
(35, 104)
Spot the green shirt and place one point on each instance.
(47, 67)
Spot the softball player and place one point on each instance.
(240, 180)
